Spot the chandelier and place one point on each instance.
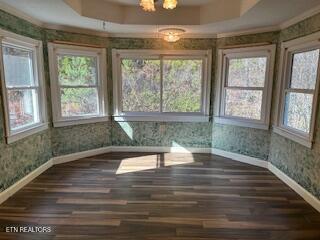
(171, 34)
(148, 5)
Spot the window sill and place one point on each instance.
(80, 121)
(162, 118)
(240, 123)
(293, 136)
(27, 132)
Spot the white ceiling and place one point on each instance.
(265, 13)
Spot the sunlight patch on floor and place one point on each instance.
(149, 162)
(178, 160)
(138, 164)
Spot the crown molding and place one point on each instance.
(11, 10)
(248, 31)
(158, 35)
(300, 17)
(76, 30)
(7, 8)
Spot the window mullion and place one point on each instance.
(79, 86)
(296, 90)
(22, 88)
(161, 84)
(245, 88)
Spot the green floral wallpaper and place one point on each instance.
(160, 134)
(21, 157)
(91, 136)
(71, 139)
(247, 141)
(300, 163)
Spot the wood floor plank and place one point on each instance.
(157, 196)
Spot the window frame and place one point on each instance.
(202, 116)
(224, 55)
(288, 49)
(57, 49)
(29, 44)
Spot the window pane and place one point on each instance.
(18, 66)
(243, 103)
(140, 85)
(77, 70)
(247, 72)
(23, 108)
(305, 69)
(79, 101)
(182, 85)
(298, 111)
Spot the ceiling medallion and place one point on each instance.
(148, 5)
(171, 34)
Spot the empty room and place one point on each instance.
(160, 119)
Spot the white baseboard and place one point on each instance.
(24, 181)
(240, 158)
(160, 149)
(308, 197)
(78, 155)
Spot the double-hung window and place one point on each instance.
(23, 88)
(154, 85)
(78, 80)
(243, 93)
(299, 75)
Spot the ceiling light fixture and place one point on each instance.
(147, 5)
(170, 4)
(171, 34)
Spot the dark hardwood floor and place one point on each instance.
(158, 197)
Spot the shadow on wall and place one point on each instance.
(169, 134)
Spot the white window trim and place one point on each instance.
(36, 46)
(203, 116)
(263, 51)
(287, 48)
(100, 53)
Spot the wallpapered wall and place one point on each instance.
(83, 137)
(161, 134)
(247, 141)
(19, 158)
(298, 162)
(78, 138)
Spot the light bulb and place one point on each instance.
(170, 4)
(171, 37)
(147, 5)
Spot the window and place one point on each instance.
(23, 91)
(152, 85)
(244, 86)
(77, 84)
(298, 94)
